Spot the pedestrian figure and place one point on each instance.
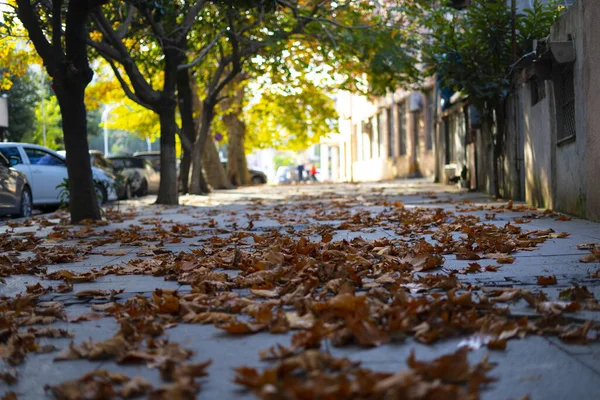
(313, 173)
(300, 173)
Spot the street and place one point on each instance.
(370, 272)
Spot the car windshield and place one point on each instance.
(99, 161)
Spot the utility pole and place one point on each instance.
(43, 108)
(107, 110)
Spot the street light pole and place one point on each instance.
(43, 108)
(107, 110)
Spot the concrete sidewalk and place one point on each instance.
(542, 367)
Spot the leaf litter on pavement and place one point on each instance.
(299, 276)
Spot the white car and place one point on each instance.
(46, 170)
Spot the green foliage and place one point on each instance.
(472, 50)
(49, 116)
(290, 120)
(23, 99)
(64, 191)
(283, 160)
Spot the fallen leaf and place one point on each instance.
(546, 280)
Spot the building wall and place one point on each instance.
(372, 146)
(571, 183)
(539, 143)
(560, 172)
(591, 87)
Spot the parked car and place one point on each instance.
(256, 177)
(46, 170)
(15, 193)
(122, 185)
(152, 156)
(145, 179)
(287, 175)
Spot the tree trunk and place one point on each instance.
(167, 191)
(198, 185)
(215, 173)
(498, 146)
(211, 162)
(70, 80)
(237, 166)
(188, 129)
(184, 171)
(83, 202)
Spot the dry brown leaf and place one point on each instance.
(265, 293)
(590, 258)
(136, 387)
(546, 280)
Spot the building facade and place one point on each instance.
(553, 136)
(382, 138)
(551, 141)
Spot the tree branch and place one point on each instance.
(57, 25)
(105, 50)
(141, 87)
(128, 92)
(203, 52)
(30, 21)
(190, 17)
(124, 27)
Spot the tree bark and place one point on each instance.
(215, 173)
(211, 162)
(67, 63)
(237, 165)
(167, 191)
(498, 146)
(198, 184)
(83, 202)
(205, 154)
(188, 129)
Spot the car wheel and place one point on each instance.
(101, 194)
(26, 203)
(257, 180)
(128, 191)
(143, 189)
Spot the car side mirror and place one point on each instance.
(13, 161)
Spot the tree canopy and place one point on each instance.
(472, 50)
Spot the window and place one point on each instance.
(402, 127)
(41, 157)
(430, 128)
(390, 132)
(379, 133)
(11, 152)
(367, 136)
(566, 103)
(450, 130)
(354, 144)
(538, 90)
